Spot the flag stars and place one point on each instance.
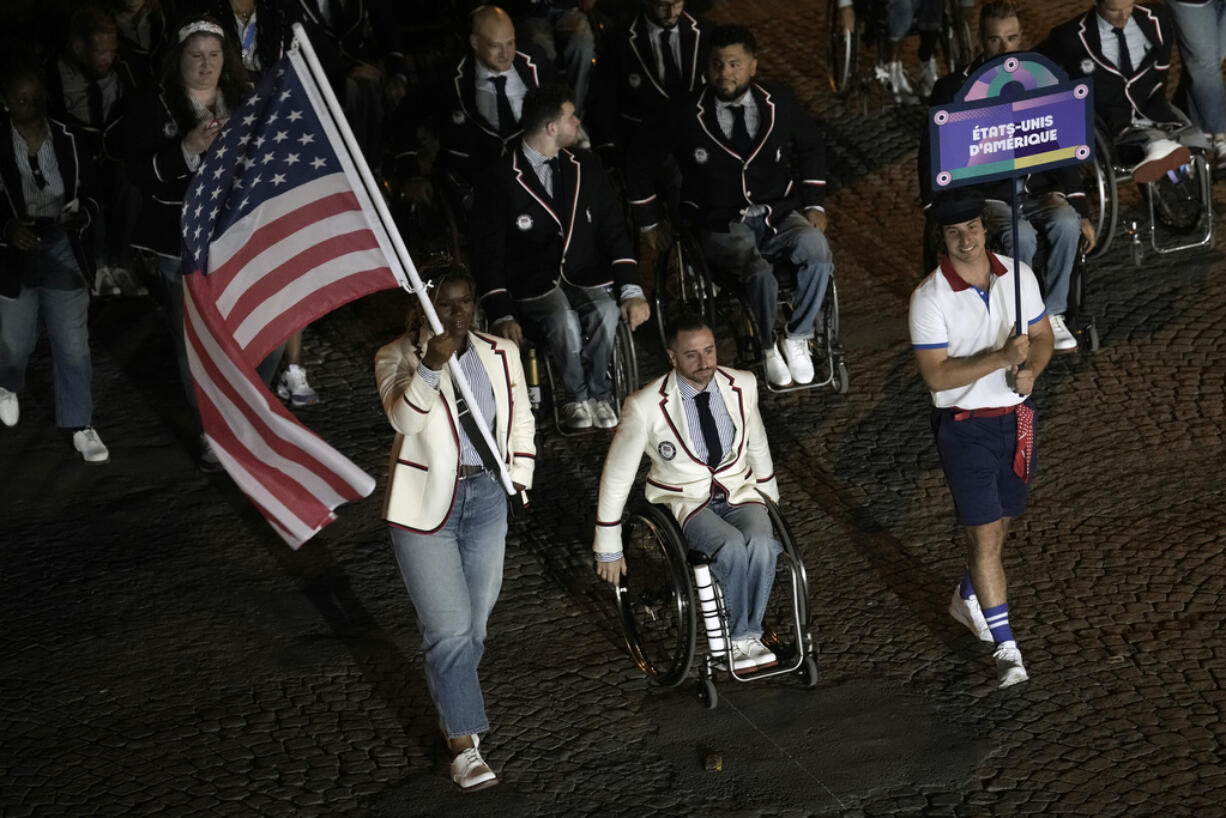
(221, 151)
(243, 204)
(286, 95)
(278, 179)
(268, 157)
(213, 214)
(291, 159)
(318, 163)
(259, 141)
(294, 116)
(306, 138)
(244, 139)
(248, 119)
(272, 118)
(199, 210)
(281, 136)
(215, 193)
(218, 173)
(256, 180)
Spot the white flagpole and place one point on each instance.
(414, 283)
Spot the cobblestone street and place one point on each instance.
(166, 654)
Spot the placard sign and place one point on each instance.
(1017, 114)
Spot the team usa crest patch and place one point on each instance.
(634, 80)
(457, 116)
(700, 155)
(667, 450)
(1087, 66)
(524, 222)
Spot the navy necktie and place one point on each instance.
(506, 115)
(742, 142)
(672, 73)
(1124, 62)
(710, 434)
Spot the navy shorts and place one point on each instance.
(977, 456)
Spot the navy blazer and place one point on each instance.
(150, 145)
(468, 142)
(626, 97)
(75, 170)
(1076, 47)
(524, 243)
(785, 171)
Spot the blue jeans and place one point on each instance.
(747, 252)
(900, 13)
(453, 577)
(1060, 223)
(742, 542)
(568, 315)
(65, 314)
(568, 31)
(1202, 47)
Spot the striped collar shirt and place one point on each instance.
(45, 201)
(540, 164)
(483, 392)
(487, 97)
(723, 420)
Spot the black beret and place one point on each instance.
(957, 206)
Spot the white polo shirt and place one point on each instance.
(948, 313)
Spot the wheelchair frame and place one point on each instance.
(685, 266)
(1101, 184)
(844, 48)
(624, 370)
(681, 601)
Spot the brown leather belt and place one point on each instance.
(467, 472)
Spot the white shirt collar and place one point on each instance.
(744, 99)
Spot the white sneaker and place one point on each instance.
(760, 653)
(800, 361)
(90, 446)
(1219, 152)
(741, 660)
(469, 770)
(10, 410)
(777, 371)
(968, 612)
(898, 84)
(1065, 341)
(928, 77)
(577, 415)
(294, 388)
(1161, 155)
(1009, 668)
(603, 415)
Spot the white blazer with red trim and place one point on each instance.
(425, 457)
(653, 423)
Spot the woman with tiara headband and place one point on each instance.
(165, 134)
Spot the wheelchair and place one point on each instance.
(545, 389)
(845, 50)
(668, 593)
(1080, 321)
(1180, 206)
(684, 283)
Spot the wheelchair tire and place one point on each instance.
(1102, 194)
(708, 694)
(1177, 205)
(683, 284)
(808, 672)
(656, 596)
(624, 366)
(788, 541)
(843, 52)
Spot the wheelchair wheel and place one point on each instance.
(707, 694)
(656, 596)
(843, 52)
(1102, 193)
(1177, 204)
(683, 285)
(784, 532)
(624, 366)
(956, 39)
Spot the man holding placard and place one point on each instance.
(1051, 201)
(980, 373)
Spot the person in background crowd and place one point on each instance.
(560, 29)
(86, 86)
(143, 36)
(44, 208)
(446, 509)
(1201, 26)
(165, 134)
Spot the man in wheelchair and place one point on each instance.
(1052, 202)
(753, 167)
(700, 425)
(1126, 49)
(549, 244)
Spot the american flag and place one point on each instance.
(280, 231)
